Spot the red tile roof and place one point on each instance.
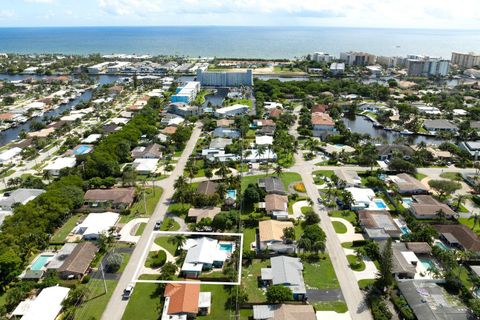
(320, 118)
(183, 297)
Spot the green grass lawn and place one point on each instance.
(138, 209)
(97, 300)
(469, 223)
(286, 177)
(250, 282)
(325, 173)
(248, 237)
(178, 209)
(247, 102)
(144, 303)
(140, 229)
(348, 215)
(169, 224)
(451, 176)
(320, 274)
(355, 263)
(163, 242)
(219, 298)
(337, 306)
(61, 233)
(151, 255)
(365, 283)
(420, 176)
(339, 227)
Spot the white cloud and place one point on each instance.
(6, 14)
(40, 1)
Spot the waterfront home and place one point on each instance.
(270, 236)
(388, 151)
(182, 109)
(348, 178)
(439, 125)
(10, 155)
(322, 124)
(231, 111)
(77, 264)
(284, 312)
(222, 132)
(197, 214)
(276, 206)
(407, 185)
(43, 133)
(185, 301)
(109, 199)
(203, 254)
(427, 207)
(47, 305)
(288, 272)
(96, 224)
(58, 164)
(372, 107)
(272, 185)
(336, 148)
(472, 147)
(378, 224)
(19, 196)
(459, 236)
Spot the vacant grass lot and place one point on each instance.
(320, 274)
(250, 282)
(219, 298)
(97, 300)
(248, 237)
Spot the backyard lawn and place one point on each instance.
(327, 280)
(337, 306)
(144, 303)
(286, 177)
(248, 237)
(61, 233)
(219, 298)
(250, 282)
(339, 227)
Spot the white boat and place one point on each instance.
(406, 132)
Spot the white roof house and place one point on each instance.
(145, 166)
(264, 140)
(59, 164)
(9, 154)
(96, 224)
(201, 251)
(231, 111)
(46, 306)
(362, 197)
(268, 105)
(19, 196)
(252, 155)
(92, 138)
(118, 121)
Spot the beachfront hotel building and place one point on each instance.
(186, 93)
(352, 58)
(426, 66)
(466, 60)
(225, 79)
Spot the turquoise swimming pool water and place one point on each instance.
(380, 203)
(442, 245)
(232, 193)
(427, 263)
(405, 230)
(82, 149)
(407, 201)
(227, 247)
(40, 262)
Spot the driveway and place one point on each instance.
(370, 271)
(350, 235)
(127, 234)
(317, 295)
(297, 208)
(332, 315)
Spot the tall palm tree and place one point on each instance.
(305, 244)
(180, 183)
(177, 240)
(459, 199)
(278, 170)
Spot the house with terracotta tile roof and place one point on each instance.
(322, 124)
(185, 301)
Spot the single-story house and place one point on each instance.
(45, 306)
(185, 301)
(362, 197)
(349, 178)
(439, 125)
(197, 214)
(406, 184)
(260, 123)
(58, 164)
(406, 263)
(151, 151)
(269, 105)
(387, 151)
(19, 196)
(9, 155)
(222, 132)
(145, 166)
(208, 188)
(96, 224)
(459, 236)
(427, 207)
(284, 312)
(202, 254)
(252, 155)
(276, 205)
(288, 272)
(270, 234)
(428, 300)
(169, 130)
(472, 147)
(272, 185)
(77, 264)
(220, 143)
(263, 140)
(332, 148)
(60, 256)
(112, 199)
(225, 123)
(231, 111)
(378, 224)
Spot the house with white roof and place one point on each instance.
(263, 140)
(145, 165)
(92, 138)
(231, 111)
(268, 105)
(362, 197)
(96, 224)
(202, 254)
(56, 166)
(21, 196)
(252, 155)
(46, 306)
(8, 156)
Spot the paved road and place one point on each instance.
(116, 306)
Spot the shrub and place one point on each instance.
(299, 187)
(86, 279)
(159, 259)
(113, 262)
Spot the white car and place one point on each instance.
(127, 292)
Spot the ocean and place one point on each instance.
(246, 42)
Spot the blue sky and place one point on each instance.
(444, 14)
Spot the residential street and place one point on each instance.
(116, 306)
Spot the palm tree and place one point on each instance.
(305, 244)
(278, 170)
(475, 217)
(318, 246)
(459, 199)
(177, 240)
(180, 183)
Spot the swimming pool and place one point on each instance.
(442, 245)
(227, 247)
(82, 149)
(380, 203)
(232, 193)
(427, 263)
(405, 230)
(407, 201)
(40, 262)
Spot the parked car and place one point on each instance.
(158, 225)
(127, 292)
(320, 201)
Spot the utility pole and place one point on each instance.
(103, 276)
